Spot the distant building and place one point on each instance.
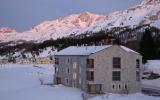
(43, 60)
(25, 61)
(4, 61)
(99, 69)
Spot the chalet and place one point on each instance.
(99, 69)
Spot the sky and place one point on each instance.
(24, 14)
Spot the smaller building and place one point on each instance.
(4, 61)
(43, 60)
(25, 61)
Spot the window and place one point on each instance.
(113, 86)
(116, 62)
(80, 81)
(56, 69)
(116, 76)
(74, 65)
(80, 70)
(125, 86)
(119, 86)
(74, 76)
(58, 80)
(94, 88)
(66, 81)
(68, 70)
(137, 63)
(68, 60)
(90, 63)
(74, 84)
(137, 76)
(90, 75)
(57, 61)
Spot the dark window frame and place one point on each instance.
(138, 76)
(90, 63)
(90, 75)
(56, 61)
(137, 63)
(94, 88)
(116, 76)
(116, 62)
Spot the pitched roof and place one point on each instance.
(81, 50)
(128, 49)
(87, 50)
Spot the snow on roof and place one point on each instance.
(128, 50)
(87, 50)
(81, 50)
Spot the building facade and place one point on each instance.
(99, 69)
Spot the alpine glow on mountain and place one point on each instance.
(147, 12)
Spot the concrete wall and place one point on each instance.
(80, 70)
(104, 67)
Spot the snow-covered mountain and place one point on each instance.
(56, 28)
(6, 32)
(147, 12)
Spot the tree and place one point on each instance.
(147, 46)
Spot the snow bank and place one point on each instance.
(153, 65)
(137, 96)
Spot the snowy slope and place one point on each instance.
(46, 52)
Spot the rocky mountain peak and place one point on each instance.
(150, 2)
(6, 30)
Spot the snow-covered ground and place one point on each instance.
(22, 82)
(152, 66)
(137, 96)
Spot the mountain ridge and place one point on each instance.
(147, 12)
